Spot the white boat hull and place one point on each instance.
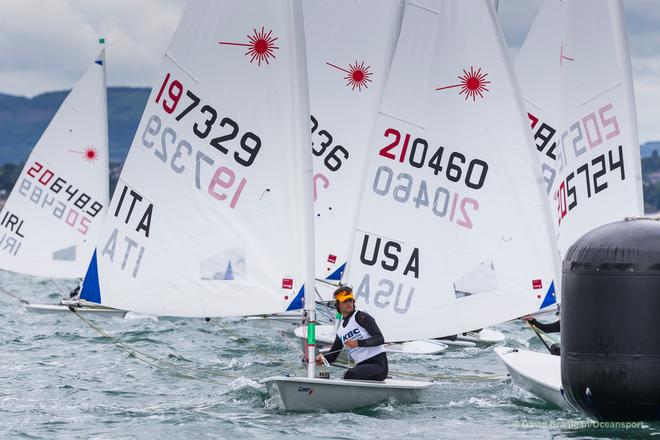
(456, 343)
(425, 346)
(485, 336)
(536, 373)
(84, 309)
(294, 317)
(325, 334)
(306, 394)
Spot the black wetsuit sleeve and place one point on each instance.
(369, 324)
(334, 350)
(553, 327)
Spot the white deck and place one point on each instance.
(536, 373)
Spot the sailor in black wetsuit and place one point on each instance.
(551, 327)
(359, 333)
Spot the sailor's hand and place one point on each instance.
(527, 318)
(319, 359)
(351, 343)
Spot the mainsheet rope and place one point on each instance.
(176, 370)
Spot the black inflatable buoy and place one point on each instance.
(610, 322)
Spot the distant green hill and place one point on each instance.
(647, 149)
(22, 120)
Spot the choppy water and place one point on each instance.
(59, 379)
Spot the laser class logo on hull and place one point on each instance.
(308, 390)
(472, 83)
(261, 45)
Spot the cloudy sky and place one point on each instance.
(45, 45)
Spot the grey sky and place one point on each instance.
(46, 44)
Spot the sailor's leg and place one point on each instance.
(374, 368)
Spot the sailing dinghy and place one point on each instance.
(53, 215)
(574, 71)
(439, 192)
(347, 75)
(450, 161)
(214, 204)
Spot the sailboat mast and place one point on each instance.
(620, 38)
(306, 190)
(104, 128)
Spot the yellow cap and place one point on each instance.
(344, 295)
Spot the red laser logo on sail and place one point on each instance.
(357, 75)
(472, 83)
(261, 46)
(89, 154)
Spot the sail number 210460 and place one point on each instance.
(453, 166)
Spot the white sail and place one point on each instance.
(537, 68)
(54, 213)
(480, 279)
(212, 215)
(574, 72)
(452, 183)
(349, 50)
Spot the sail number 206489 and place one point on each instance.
(46, 189)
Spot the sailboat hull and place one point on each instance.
(306, 394)
(536, 373)
(325, 334)
(484, 336)
(293, 317)
(421, 346)
(85, 309)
